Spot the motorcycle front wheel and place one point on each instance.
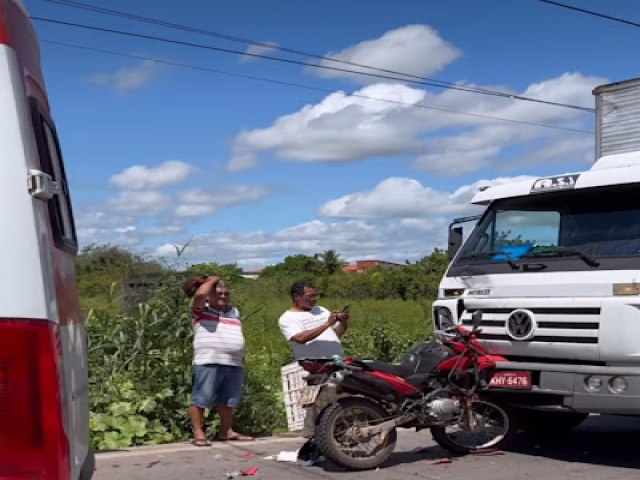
(492, 428)
(340, 439)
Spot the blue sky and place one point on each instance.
(247, 171)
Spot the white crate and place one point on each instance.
(292, 384)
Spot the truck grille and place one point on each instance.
(575, 325)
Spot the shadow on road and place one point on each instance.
(399, 458)
(601, 440)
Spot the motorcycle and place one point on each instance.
(436, 385)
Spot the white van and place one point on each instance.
(44, 431)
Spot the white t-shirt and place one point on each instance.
(325, 345)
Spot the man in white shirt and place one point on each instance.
(313, 332)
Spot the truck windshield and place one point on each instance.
(574, 229)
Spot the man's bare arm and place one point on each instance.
(203, 291)
(308, 335)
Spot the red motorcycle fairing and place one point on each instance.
(484, 362)
(398, 384)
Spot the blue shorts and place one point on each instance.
(221, 384)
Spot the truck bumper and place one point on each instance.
(564, 387)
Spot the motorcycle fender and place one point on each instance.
(486, 362)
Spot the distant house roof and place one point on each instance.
(366, 265)
(251, 273)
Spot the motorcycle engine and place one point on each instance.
(443, 408)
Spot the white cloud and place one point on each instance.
(399, 219)
(197, 203)
(393, 197)
(267, 48)
(139, 204)
(126, 79)
(354, 239)
(104, 236)
(141, 177)
(343, 128)
(130, 217)
(407, 198)
(413, 49)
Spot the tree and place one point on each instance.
(230, 271)
(101, 270)
(295, 266)
(331, 260)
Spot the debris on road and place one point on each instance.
(284, 456)
(242, 473)
(439, 461)
(489, 454)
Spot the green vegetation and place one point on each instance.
(140, 351)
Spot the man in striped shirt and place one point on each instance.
(218, 360)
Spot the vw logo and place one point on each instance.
(521, 325)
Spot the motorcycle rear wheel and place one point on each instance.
(494, 428)
(336, 439)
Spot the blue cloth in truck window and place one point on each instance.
(512, 252)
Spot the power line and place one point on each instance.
(309, 87)
(590, 12)
(177, 26)
(416, 79)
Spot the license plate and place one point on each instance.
(508, 379)
(308, 395)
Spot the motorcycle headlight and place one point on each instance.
(444, 318)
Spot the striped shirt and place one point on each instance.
(217, 337)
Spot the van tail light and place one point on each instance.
(33, 443)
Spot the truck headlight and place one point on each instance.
(626, 289)
(593, 384)
(444, 318)
(618, 384)
(453, 292)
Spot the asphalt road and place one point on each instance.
(601, 448)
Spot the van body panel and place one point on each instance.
(38, 281)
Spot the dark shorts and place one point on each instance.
(217, 384)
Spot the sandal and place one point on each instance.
(200, 442)
(237, 438)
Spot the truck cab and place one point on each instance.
(553, 263)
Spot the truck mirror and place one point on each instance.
(455, 241)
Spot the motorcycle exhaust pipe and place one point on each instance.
(389, 424)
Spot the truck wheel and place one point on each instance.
(542, 423)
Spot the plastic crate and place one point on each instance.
(292, 384)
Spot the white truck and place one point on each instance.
(554, 266)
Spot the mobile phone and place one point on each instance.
(346, 309)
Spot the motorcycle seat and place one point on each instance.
(394, 369)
